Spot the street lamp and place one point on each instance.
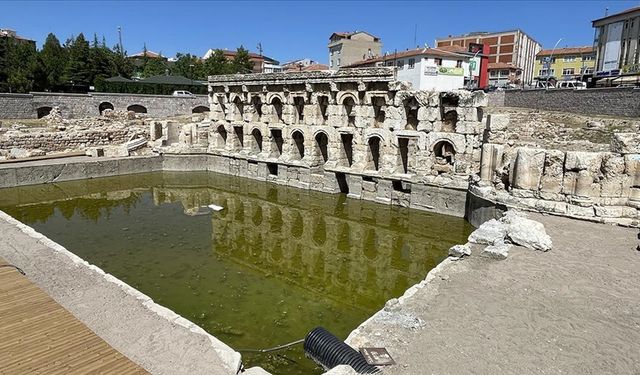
(550, 61)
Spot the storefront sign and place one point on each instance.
(450, 71)
(430, 70)
(631, 68)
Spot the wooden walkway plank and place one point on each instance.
(40, 336)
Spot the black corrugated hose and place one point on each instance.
(329, 352)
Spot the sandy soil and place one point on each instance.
(572, 310)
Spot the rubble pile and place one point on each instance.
(495, 238)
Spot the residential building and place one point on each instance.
(261, 63)
(512, 52)
(426, 68)
(8, 33)
(298, 64)
(308, 68)
(566, 63)
(617, 42)
(346, 48)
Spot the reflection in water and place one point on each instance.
(272, 265)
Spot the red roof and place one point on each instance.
(449, 51)
(567, 51)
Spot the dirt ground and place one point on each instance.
(572, 310)
(563, 131)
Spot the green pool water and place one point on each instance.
(271, 266)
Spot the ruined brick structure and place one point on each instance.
(354, 131)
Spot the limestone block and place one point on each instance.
(575, 210)
(527, 169)
(499, 251)
(612, 165)
(425, 126)
(460, 250)
(526, 232)
(428, 113)
(497, 122)
(457, 140)
(468, 127)
(479, 99)
(467, 114)
(550, 206)
(551, 180)
(489, 233)
(615, 211)
(490, 160)
(625, 143)
(580, 160)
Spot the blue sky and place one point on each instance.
(289, 30)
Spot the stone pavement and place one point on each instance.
(572, 310)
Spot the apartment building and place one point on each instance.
(426, 68)
(566, 63)
(348, 47)
(512, 54)
(617, 43)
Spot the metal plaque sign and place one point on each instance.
(377, 356)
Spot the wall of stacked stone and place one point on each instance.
(63, 140)
(34, 105)
(16, 106)
(624, 102)
(359, 132)
(603, 186)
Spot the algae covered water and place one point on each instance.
(272, 265)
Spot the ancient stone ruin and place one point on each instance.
(354, 131)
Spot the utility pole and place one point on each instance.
(415, 36)
(120, 40)
(260, 48)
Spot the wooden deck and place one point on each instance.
(38, 336)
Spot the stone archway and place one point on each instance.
(297, 151)
(103, 106)
(137, 108)
(373, 154)
(43, 111)
(200, 109)
(322, 146)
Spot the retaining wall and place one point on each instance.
(623, 102)
(18, 106)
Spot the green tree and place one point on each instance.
(120, 65)
(188, 66)
(78, 69)
(241, 63)
(21, 66)
(100, 61)
(52, 60)
(217, 64)
(154, 67)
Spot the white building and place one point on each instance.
(426, 68)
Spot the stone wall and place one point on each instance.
(624, 102)
(37, 104)
(352, 131)
(60, 141)
(601, 186)
(16, 106)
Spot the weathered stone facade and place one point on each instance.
(354, 131)
(602, 186)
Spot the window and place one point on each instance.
(493, 73)
(331, 64)
(569, 58)
(568, 71)
(412, 63)
(588, 70)
(400, 64)
(459, 64)
(504, 73)
(438, 61)
(588, 57)
(338, 62)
